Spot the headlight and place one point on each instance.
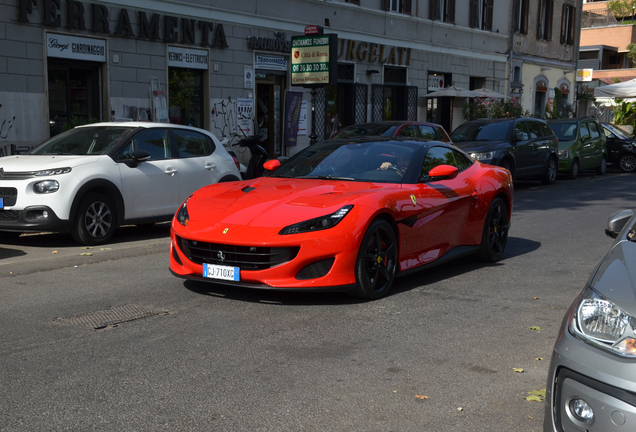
(564, 154)
(46, 186)
(51, 172)
(628, 146)
(317, 224)
(182, 214)
(602, 323)
(483, 156)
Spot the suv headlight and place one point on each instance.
(46, 186)
(564, 154)
(317, 224)
(483, 155)
(51, 172)
(600, 322)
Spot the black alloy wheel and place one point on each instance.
(627, 162)
(550, 175)
(377, 261)
(495, 235)
(96, 220)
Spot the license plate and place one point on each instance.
(1, 203)
(214, 271)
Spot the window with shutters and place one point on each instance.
(401, 6)
(481, 14)
(544, 30)
(442, 10)
(521, 16)
(568, 25)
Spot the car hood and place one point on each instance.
(21, 163)
(275, 202)
(615, 277)
(479, 146)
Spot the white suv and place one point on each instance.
(93, 178)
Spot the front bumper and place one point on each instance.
(33, 219)
(604, 381)
(565, 165)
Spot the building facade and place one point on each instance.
(225, 65)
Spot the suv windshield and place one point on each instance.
(482, 132)
(364, 130)
(82, 141)
(564, 131)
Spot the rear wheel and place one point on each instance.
(627, 162)
(495, 235)
(376, 262)
(574, 170)
(96, 220)
(550, 174)
(602, 168)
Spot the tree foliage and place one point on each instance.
(493, 108)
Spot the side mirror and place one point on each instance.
(519, 137)
(138, 156)
(443, 172)
(271, 165)
(617, 222)
(585, 138)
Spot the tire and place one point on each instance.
(627, 162)
(602, 168)
(507, 165)
(495, 234)
(377, 261)
(574, 170)
(550, 175)
(96, 220)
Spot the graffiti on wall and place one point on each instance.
(8, 148)
(223, 115)
(6, 126)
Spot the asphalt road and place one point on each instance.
(439, 354)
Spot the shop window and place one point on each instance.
(185, 97)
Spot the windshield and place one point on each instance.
(82, 141)
(611, 129)
(564, 131)
(366, 130)
(382, 162)
(482, 132)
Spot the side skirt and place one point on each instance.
(457, 252)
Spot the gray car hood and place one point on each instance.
(615, 277)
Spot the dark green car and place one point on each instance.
(582, 145)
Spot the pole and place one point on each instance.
(313, 136)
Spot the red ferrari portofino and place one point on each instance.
(346, 215)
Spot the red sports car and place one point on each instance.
(346, 215)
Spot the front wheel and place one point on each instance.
(96, 220)
(627, 162)
(377, 261)
(574, 170)
(550, 175)
(495, 235)
(602, 168)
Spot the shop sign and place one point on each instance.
(277, 43)
(565, 88)
(270, 63)
(541, 86)
(583, 75)
(76, 48)
(351, 50)
(314, 60)
(164, 28)
(245, 117)
(435, 82)
(248, 77)
(187, 58)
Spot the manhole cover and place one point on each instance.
(111, 316)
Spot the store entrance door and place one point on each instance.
(270, 89)
(74, 95)
(185, 97)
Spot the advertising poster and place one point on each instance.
(293, 102)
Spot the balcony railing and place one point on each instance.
(598, 18)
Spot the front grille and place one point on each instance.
(9, 215)
(16, 175)
(9, 196)
(245, 257)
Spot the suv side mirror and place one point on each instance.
(518, 136)
(139, 156)
(617, 222)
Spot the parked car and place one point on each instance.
(93, 178)
(582, 145)
(526, 147)
(423, 130)
(591, 383)
(621, 147)
(344, 215)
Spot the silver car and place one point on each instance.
(592, 378)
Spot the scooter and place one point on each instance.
(259, 156)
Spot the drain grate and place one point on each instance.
(111, 316)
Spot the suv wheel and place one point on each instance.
(550, 175)
(627, 162)
(507, 165)
(602, 168)
(96, 220)
(574, 170)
